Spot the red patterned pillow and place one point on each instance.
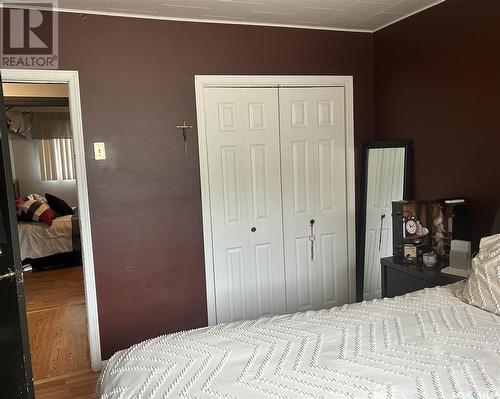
(36, 211)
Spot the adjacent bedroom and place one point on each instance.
(45, 187)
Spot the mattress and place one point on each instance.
(428, 344)
(37, 240)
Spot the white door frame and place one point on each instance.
(203, 81)
(71, 79)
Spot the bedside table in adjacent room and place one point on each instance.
(399, 278)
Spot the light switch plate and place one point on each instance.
(99, 151)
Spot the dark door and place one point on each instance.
(15, 363)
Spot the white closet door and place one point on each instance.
(243, 155)
(312, 123)
(385, 183)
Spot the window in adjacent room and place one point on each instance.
(57, 159)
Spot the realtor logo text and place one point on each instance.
(29, 35)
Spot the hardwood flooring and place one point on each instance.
(57, 325)
(54, 288)
(58, 341)
(74, 386)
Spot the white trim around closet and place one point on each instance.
(204, 81)
(71, 79)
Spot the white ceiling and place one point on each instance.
(357, 15)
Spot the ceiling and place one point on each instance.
(357, 15)
(35, 89)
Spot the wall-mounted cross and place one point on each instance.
(184, 128)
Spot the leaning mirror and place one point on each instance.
(386, 178)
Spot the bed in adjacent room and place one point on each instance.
(428, 344)
(49, 235)
(37, 240)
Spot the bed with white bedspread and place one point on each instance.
(37, 240)
(428, 344)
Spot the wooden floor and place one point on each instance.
(74, 386)
(57, 325)
(54, 288)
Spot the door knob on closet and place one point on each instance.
(253, 229)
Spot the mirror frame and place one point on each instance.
(407, 193)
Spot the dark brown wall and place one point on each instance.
(437, 81)
(137, 83)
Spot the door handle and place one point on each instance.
(312, 237)
(7, 276)
(11, 274)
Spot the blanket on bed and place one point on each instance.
(37, 240)
(428, 344)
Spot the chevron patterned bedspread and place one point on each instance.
(428, 344)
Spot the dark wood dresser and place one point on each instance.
(399, 278)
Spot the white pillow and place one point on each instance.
(482, 288)
(36, 197)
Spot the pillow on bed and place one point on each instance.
(35, 196)
(482, 288)
(36, 211)
(59, 205)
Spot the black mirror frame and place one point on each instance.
(407, 193)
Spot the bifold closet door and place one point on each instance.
(242, 128)
(312, 123)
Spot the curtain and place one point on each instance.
(41, 125)
(51, 125)
(18, 122)
(57, 159)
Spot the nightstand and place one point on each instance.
(399, 278)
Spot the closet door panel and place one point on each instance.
(297, 165)
(242, 142)
(330, 199)
(229, 208)
(313, 188)
(265, 231)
